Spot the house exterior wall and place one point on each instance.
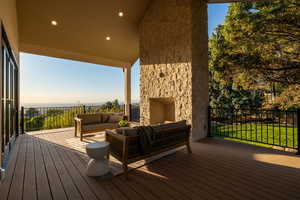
(173, 58)
(8, 17)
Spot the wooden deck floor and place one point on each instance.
(217, 169)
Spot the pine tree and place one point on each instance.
(256, 49)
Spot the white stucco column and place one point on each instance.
(127, 90)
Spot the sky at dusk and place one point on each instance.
(52, 81)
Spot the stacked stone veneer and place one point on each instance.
(173, 57)
(169, 81)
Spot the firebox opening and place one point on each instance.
(162, 110)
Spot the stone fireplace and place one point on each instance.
(162, 110)
(165, 87)
(173, 59)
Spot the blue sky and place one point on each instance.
(52, 80)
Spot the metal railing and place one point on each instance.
(135, 113)
(271, 127)
(44, 118)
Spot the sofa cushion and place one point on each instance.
(119, 114)
(127, 131)
(99, 127)
(105, 118)
(161, 127)
(115, 118)
(90, 118)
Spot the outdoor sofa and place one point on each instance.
(85, 124)
(126, 144)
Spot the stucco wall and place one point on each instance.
(8, 16)
(173, 57)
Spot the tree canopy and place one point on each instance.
(111, 106)
(256, 49)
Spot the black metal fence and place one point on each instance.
(271, 127)
(135, 113)
(43, 118)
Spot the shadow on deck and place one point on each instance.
(52, 166)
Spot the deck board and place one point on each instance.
(126, 189)
(190, 182)
(47, 167)
(175, 190)
(70, 189)
(42, 183)
(79, 181)
(18, 177)
(29, 191)
(6, 183)
(255, 183)
(94, 185)
(56, 186)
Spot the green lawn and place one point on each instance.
(259, 134)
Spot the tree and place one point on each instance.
(31, 112)
(52, 112)
(224, 92)
(35, 123)
(63, 119)
(289, 99)
(256, 50)
(264, 40)
(116, 104)
(229, 98)
(111, 106)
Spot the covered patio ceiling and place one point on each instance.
(82, 29)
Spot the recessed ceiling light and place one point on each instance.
(107, 38)
(54, 23)
(121, 14)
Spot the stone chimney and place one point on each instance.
(174, 60)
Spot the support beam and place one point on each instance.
(127, 91)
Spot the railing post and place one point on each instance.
(298, 130)
(130, 112)
(22, 121)
(84, 109)
(209, 122)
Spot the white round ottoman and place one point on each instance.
(98, 165)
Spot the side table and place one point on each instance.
(98, 165)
